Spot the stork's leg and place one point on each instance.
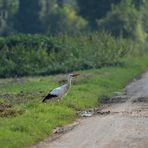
(59, 101)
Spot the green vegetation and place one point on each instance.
(31, 121)
(68, 16)
(123, 19)
(39, 55)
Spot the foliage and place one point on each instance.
(124, 19)
(27, 18)
(33, 55)
(95, 9)
(64, 19)
(120, 17)
(145, 18)
(139, 3)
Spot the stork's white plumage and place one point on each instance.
(61, 91)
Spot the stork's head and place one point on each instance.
(74, 75)
(70, 76)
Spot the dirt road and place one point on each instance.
(126, 125)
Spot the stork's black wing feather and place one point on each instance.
(49, 96)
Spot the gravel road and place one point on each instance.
(126, 125)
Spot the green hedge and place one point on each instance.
(22, 55)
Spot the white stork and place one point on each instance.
(59, 92)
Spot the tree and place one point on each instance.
(64, 19)
(95, 9)
(145, 17)
(28, 17)
(8, 10)
(138, 4)
(60, 3)
(124, 19)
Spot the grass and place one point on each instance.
(37, 120)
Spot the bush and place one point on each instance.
(39, 55)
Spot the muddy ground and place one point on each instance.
(122, 123)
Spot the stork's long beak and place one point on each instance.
(75, 75)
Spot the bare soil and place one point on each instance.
(122, 123)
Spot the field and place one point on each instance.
(42, 41)
(25, 120)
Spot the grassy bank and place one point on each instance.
(26, 120)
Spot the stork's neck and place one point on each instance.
(69, 81)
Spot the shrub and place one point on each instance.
(39, 55)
